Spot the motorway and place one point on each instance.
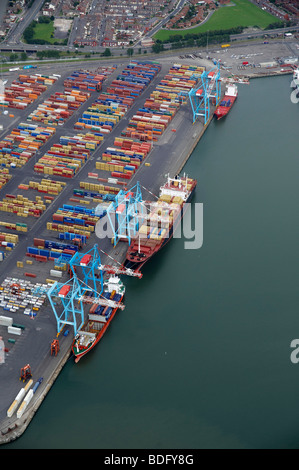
(14, 36)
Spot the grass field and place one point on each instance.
(241, 13)
(44, 31)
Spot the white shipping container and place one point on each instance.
(28, 396)
(12, 408)
(112, 180)
(14, 331)
(6, 321)
(98, 318)
(21, 409)
(20, 395)
(55, 273)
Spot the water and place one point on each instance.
(200, 357)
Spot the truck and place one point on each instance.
(29, 67)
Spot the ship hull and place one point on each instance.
(136, 265)
(80, 352)
(222, 111)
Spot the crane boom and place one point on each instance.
(118, 270)
(121, 270)
(103, 302)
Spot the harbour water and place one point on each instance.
(200, 357)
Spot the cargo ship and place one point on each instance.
(159, 224)
(227, 102)
(99, 318)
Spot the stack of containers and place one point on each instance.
(106, 70)
(100, 117)
(111, 106)
(7, 242)
(67, 157)
(125, 157)
(150, 121)
(22, 206)
(47, 186)
(19, 227)
(140, 126)
(49, 251)
(77, 230)
(177, 83)
(37, 78)
(49, 244)
(74, 219)
(80, 239)
(4, 176)
(76, 216)
(59, 107)
(134, 79)
(84, 81)
(25, 90)
(7, 237)
(96, 191)
(113, 99)
(22, 143)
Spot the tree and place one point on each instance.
(130, 51)
(107, 52)
(158, 48)
(29, 33)
(13, 57)
(44, 19)
(24, 56)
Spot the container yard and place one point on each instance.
(98, 132)
(59, 107)
(25, 90)
(22, 143)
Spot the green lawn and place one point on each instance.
(44, 31)
(241, 13)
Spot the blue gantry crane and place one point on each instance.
(85, 287)
(207, 89)
(67, 309)
(89, 263)
(124, 214)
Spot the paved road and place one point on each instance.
(15, 34)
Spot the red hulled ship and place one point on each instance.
(227, 102)
(99, 318)
(159, 224)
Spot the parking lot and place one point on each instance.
(247, 59)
